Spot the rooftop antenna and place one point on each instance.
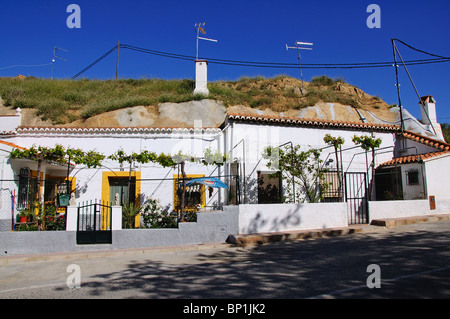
(55, 56)
(200, 27)
(297, 43)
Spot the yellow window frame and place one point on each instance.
(176, 178)
(73, 180)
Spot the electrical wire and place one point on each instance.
(421, 51)
(94, 63)
(287, 65)
(24, 65)
(274, 65)
(292, 65)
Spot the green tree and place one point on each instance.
(298, 168)
(368, 143)
(165, 160)
(336, 142)
(58, 154)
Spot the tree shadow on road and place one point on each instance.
(331, 266)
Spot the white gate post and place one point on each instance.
(72, 218)
(116, 212)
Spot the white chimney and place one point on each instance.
(428, 114)
(201, 77)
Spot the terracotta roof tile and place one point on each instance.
(412, 158)
(442, 148)
(426, 140)
(309, 122)
(45, 129)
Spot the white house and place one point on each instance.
(418, 170)
(243, 137)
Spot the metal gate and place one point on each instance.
(356, 197)
(94, 224)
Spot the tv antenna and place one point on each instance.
(55, 56)
(297, 46)
(200, 27)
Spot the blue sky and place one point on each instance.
(247, 30)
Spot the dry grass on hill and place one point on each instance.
(59, 102)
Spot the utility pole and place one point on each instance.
(117, 63)
(398, 86)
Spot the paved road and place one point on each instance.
(413, 262)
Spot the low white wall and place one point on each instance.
(265, 218)
(406, 208)
(211, 227)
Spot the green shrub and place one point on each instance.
(322, 80)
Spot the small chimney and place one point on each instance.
(428, 111)
(201, 77)
(428, 114)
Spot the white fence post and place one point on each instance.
(116, 212)
(71, 218)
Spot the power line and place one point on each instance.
(291, 65)
(421, 51)
(95, 62)
(24, 65)
(274, 65)
(286, 65)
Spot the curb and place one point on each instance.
(375, 225)
(394, 222)
(264, 238)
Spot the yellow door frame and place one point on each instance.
(123, 174)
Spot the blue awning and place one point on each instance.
(208, 181)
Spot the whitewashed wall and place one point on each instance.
(257, 137)
(411, 192)
(7, 187)
(437, 172)
(266, 218)
(406, 208)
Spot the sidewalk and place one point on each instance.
(232, 240)
(376, 225)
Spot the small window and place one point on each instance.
(269, 188)
(26, 187)
(193, 196)
(412, 177)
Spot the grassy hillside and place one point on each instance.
(64, 101)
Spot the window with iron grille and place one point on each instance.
(27, 189)
(412, 177)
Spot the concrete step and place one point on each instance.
(263, 238)
(394, 222)
(243, 240)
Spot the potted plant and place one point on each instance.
(23, 216)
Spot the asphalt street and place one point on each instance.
(408, 261)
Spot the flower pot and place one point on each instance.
(22, 219)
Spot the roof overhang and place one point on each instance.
(293, 121)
